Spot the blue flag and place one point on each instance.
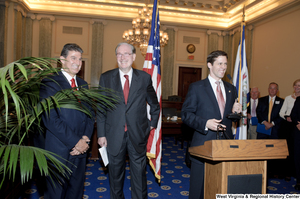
(241, 82)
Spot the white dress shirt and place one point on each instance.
(123, 79)
(69, 77)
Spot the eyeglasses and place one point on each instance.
(125, 55)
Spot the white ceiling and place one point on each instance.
(218, 14)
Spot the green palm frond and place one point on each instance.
(21, 111)
(23, 158)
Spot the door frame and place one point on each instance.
(176, 73)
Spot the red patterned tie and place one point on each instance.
(220, 98)
(126, 92)
(126, 88)
(73, 85)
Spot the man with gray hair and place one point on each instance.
(251, 113)
(126, 128)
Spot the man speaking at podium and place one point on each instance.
(205, 108)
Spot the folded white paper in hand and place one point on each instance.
(103, 154)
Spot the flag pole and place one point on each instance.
(243, 24)
(240, 54)
(240, 80)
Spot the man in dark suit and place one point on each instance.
(204, 109)
(251, 113)
(268, 112)
(126, 128)
(295, 116)
(68, 131)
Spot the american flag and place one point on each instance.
(241, 82)
(152, 67)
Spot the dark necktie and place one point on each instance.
(73, 85)
(220, 98)
(126, 92)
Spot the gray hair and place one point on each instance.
(133, 50)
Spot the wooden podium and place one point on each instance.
(237, 161)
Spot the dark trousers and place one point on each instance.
(297, 153)
(287, 132)
(197, 180)
(116, 166)
(72, 188)
(264, 136)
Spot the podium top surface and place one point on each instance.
(222, 150)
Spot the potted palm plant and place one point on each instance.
(20, 117)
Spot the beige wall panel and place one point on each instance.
(199, 54)
(276, 50)
(60, 38)
(113, 32)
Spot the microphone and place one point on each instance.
(235, 117)
(221, 130)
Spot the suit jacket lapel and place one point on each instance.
(229, 95)
(63, 81)
(116, 83)
(274, 107)
(79, 82)
(133, 87)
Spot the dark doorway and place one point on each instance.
(187, 75)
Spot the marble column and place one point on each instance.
(2, 33)
(227, 47)
(18, 35)
(213, 42)
(167, 66)
(28, 35)
(97, 50)
(9, 41)
(45, 35)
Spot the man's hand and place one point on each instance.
(288, 119)
(213, 124)
(298, 125)
(82, 146)
(249, 116)
(237, 107)
(102, 141)
(74, 152)
(86, 139)
(268, 125)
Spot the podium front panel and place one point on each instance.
(216, 175)
(244, 184)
